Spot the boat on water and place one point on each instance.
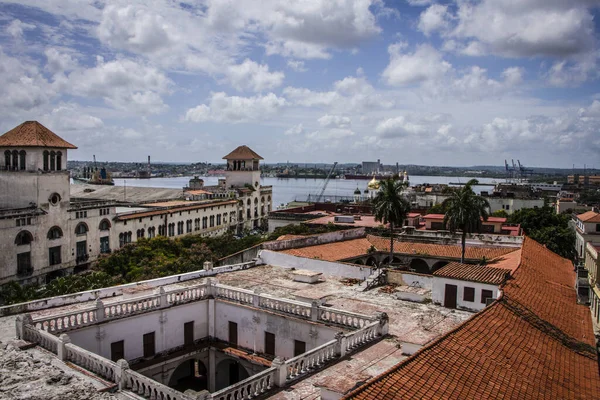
(95, 177)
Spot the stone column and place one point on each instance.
(281, 373)
(163, 297)
(340, 346)
(384, 325)
(211, 318)
(208, 265)
(212, 370)
(99, 311)
(20, 322)
(63, 339)
(314, 311)
(256, 298)
(121, 374)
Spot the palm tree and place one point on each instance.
(390, 206)
(464, 212)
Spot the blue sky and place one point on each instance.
(461, 82)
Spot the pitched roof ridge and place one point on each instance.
(547, 328)
(414, 356)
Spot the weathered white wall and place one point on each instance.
(410, 279)
(167, 325)
(252, 324)
(313, 240)
(439, 287)
(330, 268)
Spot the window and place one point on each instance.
(299, 347)
(212, 221)
(219, 219)
(15, 160)
(151, 232)
(188, 333)
(24, 267)
(46, 160)
(104, 245)
(54, 255)
(81, 248)
(23, 238)
(486, 294)
(469, 294)
(233, 333)
(54, 199)
(58, 160)
(171, 229)
(52, 161)
(55, 233)
(7, 159)
(437, 226)
(117, 350)
(149, 346)
(188, 225)
(104, 225)
(269, 343)
(597, 227)
(140, 233)
(81, 229)
(22, 160)
(204, 222)
(180, 228)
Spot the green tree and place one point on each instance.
(437, 209)
(391, 207)
(499, 213)
(465, 210)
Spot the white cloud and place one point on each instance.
(475, 84)
(296, 65)
(58, 61)
(330, 134)
(16, 28)
(70, 117)
(425, 64)
(593, 111)
(235, 109)
(399, 127)
(433, 19)
(251, 76)
(573, 72)
(334, 121)
(295, 130)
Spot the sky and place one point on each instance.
(458, 83)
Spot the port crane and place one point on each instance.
(320, 195)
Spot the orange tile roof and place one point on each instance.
(367, 221)
(473, 273)
(172, 210)
(243, 153)
(338, 251)
(589, 216)
(441, 216)
(508, 261)
(33, 134)
(536, 342)
(434, 216)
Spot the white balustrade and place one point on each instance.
(92, 362)
(149, 388)
(235, 294)
(44, 339)
(311, 360)
(344, 318)
(248, 388)
(129, 307)
(296, 308)
(362, 336)
(186, 295)
(67, 321)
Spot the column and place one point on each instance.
(212, 370)
(63, 339)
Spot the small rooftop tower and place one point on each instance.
(243, 167)
(34, 167)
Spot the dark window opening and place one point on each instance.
(486, 294)
(188, 333)
(117, 350)
(24, 267)
(233, 333)
(299, 347)
(149, 345)
(54, 255)
(270, 344)
(469, 294)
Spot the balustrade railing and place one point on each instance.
(248, 388)
(92, 362)
(149, 388)
(362, 336)
(132, 306)
(186, 295)
(67, 321)
(44, 339)
(296, 308)
(344, 318)
(235, 294)
(311, 360)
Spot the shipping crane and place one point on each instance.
(320, 195)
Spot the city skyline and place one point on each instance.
(418, 82)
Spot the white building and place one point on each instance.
(587, 229)
(44, 233)
(467, 287)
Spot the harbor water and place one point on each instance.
(286, 190)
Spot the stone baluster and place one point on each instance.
(280, 373)
(21, 321)
(61, 350)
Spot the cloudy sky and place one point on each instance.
(428, 82)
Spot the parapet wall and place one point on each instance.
(314, 240)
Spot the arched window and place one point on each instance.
(46, 154)
(249, 202)
(52, 161)
(23, 237)
(7, 159)
(104, 225)
(55, 233)
(58, 160)
(262, 199)
(15, 160)
(256, 201)
(81, 228)
(22, 160)
(129, 237)
(121, 239)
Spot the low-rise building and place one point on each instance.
(587, 229)
(592, 265)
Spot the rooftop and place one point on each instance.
(174, 208)
(33, 134)
(441, 217)
(243, 153)
(589, 216)
(368, 221)
(473, 273)
(536, 342)
(131, 194)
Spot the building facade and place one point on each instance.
(587, 230)
(44, 233)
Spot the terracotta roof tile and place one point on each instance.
(589, 216)
(473, 273)
(33, 134)
(536, 342)
(243, 153)
(333, 251)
